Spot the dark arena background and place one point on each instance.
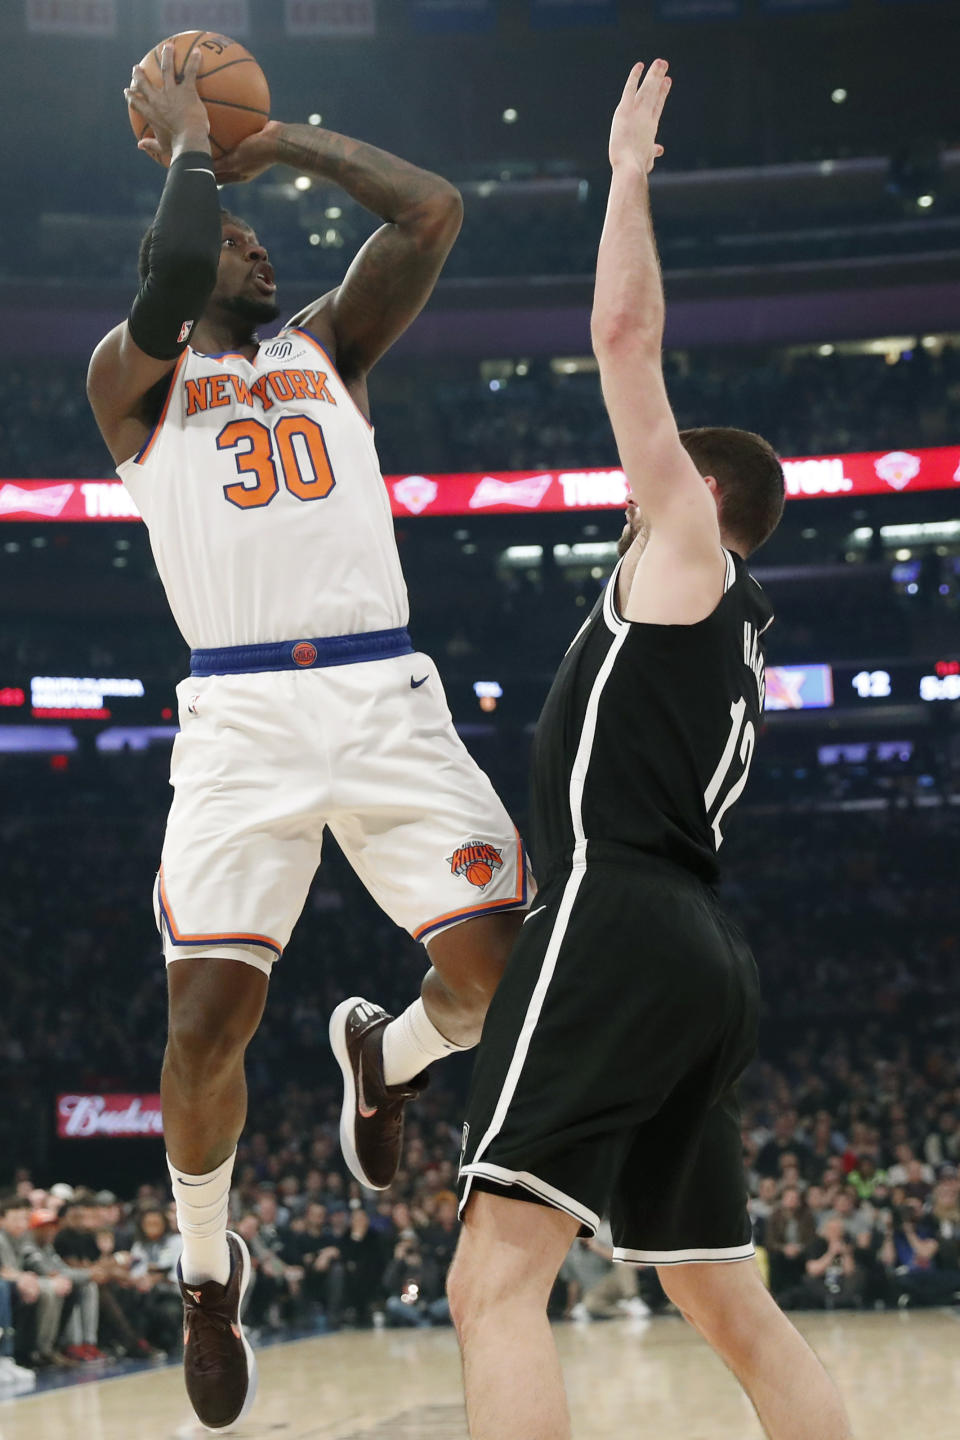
(808, 217)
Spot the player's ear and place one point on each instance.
(712, 486)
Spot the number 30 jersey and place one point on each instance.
(646, 737)
(261, 488)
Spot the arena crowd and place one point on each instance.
(805, 403)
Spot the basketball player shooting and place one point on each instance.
(255, 470)
(604, 1083)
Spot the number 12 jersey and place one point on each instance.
(261, 488)
(647, 735)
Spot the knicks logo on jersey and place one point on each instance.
(210, 392)
(476, 861)
(753, 659)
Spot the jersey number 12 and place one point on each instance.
(746, 735)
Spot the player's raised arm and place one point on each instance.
(183, 256)
(394, 273)
(680, 577)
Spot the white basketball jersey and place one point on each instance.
(261, 488)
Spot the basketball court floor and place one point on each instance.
(900, 1374)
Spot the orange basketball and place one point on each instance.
(230, 83)
(479, 873)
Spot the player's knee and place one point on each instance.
(211, 1023)
(715, 1299)
(474, 1289)
(480, 1284)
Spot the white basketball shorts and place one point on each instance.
(265, 762)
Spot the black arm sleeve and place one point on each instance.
(184, 255)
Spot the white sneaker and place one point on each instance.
(16, 1377)
(636, 1308)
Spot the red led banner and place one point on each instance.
(516, 492)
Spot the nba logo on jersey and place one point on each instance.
(185, 329)
(476, 861)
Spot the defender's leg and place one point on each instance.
(507, 1260)
(735, 1313)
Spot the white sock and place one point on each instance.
(202, 1205)
(411, 1043)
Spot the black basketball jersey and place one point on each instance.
(646, 737)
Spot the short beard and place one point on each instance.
(251, 312)
(632, 532)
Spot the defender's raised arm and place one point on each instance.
(394, 273)
(680, 577)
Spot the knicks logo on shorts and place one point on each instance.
(477, 862)
(304, 653)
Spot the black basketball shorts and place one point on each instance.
(605, 1079)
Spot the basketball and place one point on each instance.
(230, 83)
(479, 873)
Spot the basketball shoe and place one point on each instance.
(219, 1366)
(371, 1121)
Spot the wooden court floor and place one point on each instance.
(900, 1374)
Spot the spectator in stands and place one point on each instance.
(154, 1255)
(414, 1288)
(833, 1279)
(790, 1233)
(761, 1206)
(361, 1254)
(314, 1250)
(275, 1293)
(38, 1300)
(908, 1170)
(942, 1145)
(784, 1146)
(597, 1288)
(80, 1320)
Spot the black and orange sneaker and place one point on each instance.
(219, 1366)
(371, 1121)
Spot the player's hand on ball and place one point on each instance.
(633, 135)
(251, 157)
(174, 109)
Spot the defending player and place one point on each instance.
(255, 469)
(605, 1078)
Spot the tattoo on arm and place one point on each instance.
(378, 181)
(395, 272)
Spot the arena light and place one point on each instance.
(522, 554)
(333, 212)
(838, 96)
(315, 118)
(302, 182)
(510, 116)
(925, 201)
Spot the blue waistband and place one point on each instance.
(301, 654)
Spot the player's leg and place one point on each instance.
(215, 1007)
(243, 840)
(731, 1307)
(427, 834)
(466, 965)
(508, 1258)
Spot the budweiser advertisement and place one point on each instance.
(108, 1117)
(519, 491)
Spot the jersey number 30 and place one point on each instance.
(732, 751)
(294, 452)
